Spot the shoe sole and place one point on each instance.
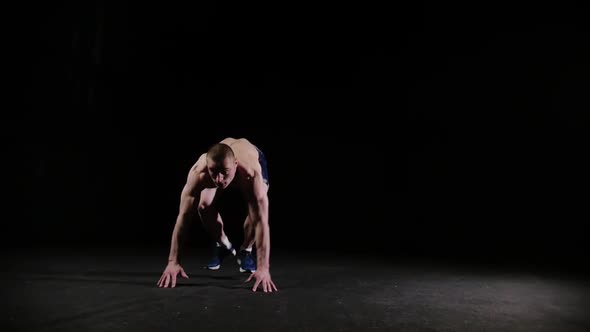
(233, 252)
(243, 270)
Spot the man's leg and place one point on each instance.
(250, 230)
(213, 224)
(249, 237)
(245, 258)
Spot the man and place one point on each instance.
(237, 163)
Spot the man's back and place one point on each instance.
(246, 154)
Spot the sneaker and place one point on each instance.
(246, 261)
(219, 254)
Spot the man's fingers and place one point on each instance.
(159, 283)
(173, 280)
(183, 274)
(256, 285)
(167, 281)
(249, 278)
(274, 286)
(162, 280)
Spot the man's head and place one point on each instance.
(221, 164)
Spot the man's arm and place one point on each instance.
(188, 198)
(258, 210)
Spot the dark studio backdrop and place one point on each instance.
(426, 129)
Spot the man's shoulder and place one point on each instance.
(201, 163)
(248, 175)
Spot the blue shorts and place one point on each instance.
(262, 161)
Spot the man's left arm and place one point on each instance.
(259, 215)
(258, 211)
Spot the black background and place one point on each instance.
(424, 129)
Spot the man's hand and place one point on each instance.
(170, 273)
(263, 279)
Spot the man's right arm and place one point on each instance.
(188, 200)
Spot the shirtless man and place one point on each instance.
(239, 163)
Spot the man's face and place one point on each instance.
(223, 172)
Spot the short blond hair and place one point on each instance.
(219, 152)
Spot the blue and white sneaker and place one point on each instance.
(219, 254)
(246, 261)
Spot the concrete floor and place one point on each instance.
(61, 290)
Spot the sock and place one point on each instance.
(225, 242)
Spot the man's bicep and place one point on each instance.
(191, 191)
(194, 181)
(259, 203)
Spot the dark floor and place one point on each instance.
(49, 290)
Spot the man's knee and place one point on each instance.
(205, 208)
(248, 222)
